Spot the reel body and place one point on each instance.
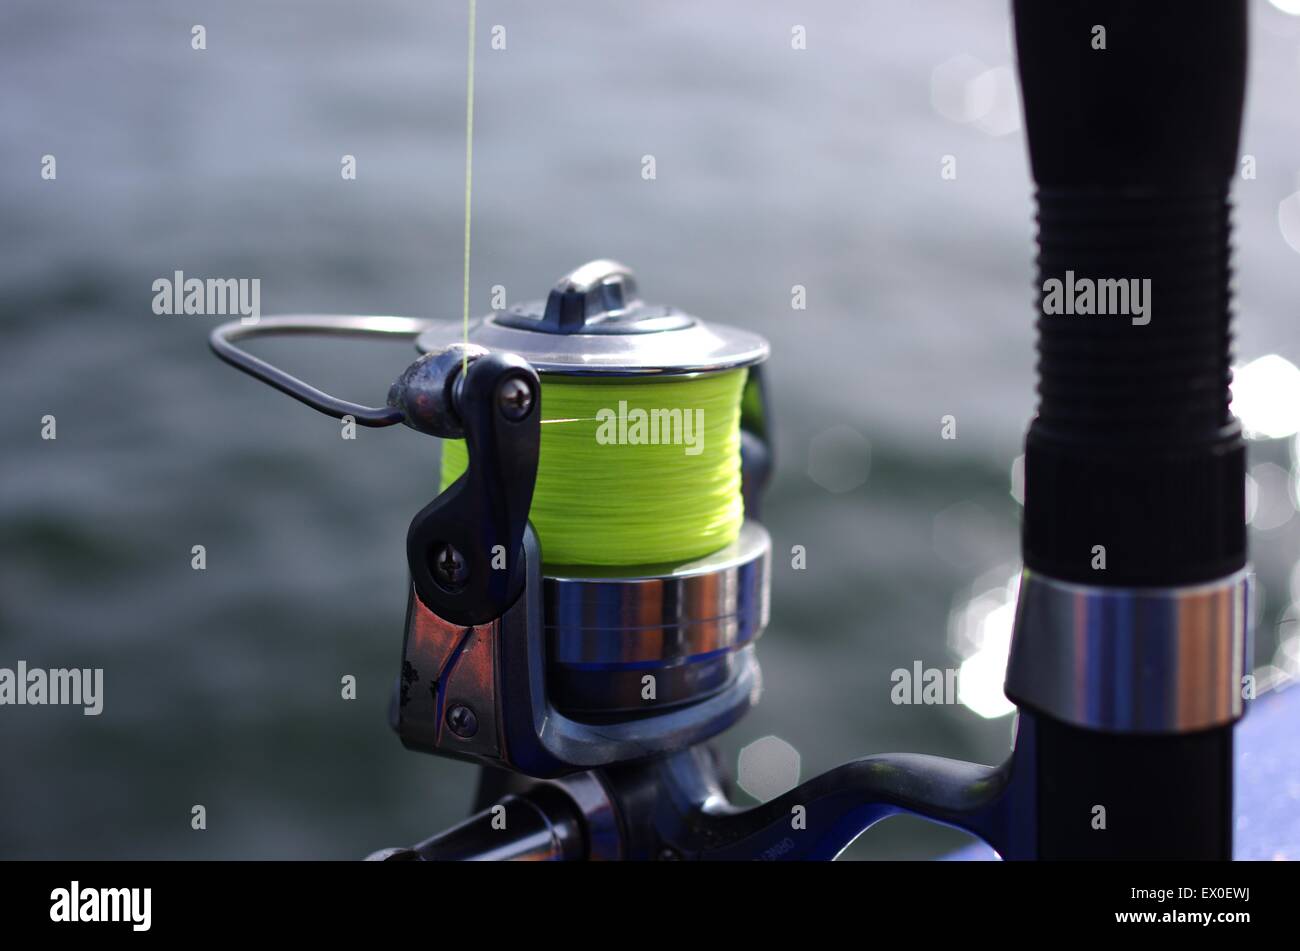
(569, 667)
(551, 669)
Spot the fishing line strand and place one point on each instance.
(469, 175)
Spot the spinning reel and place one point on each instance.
(514, 663)
(543, 669)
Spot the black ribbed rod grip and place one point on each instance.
(1133, 115)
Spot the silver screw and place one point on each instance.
(450, 566)
(462, 721)
(515, 397)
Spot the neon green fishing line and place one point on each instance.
(627, 474)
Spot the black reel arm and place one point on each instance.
(465, 548)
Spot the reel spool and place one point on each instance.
(514, 658)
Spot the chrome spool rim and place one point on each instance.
(684, 626)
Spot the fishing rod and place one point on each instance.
(589, 585)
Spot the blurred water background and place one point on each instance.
(775, 167)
